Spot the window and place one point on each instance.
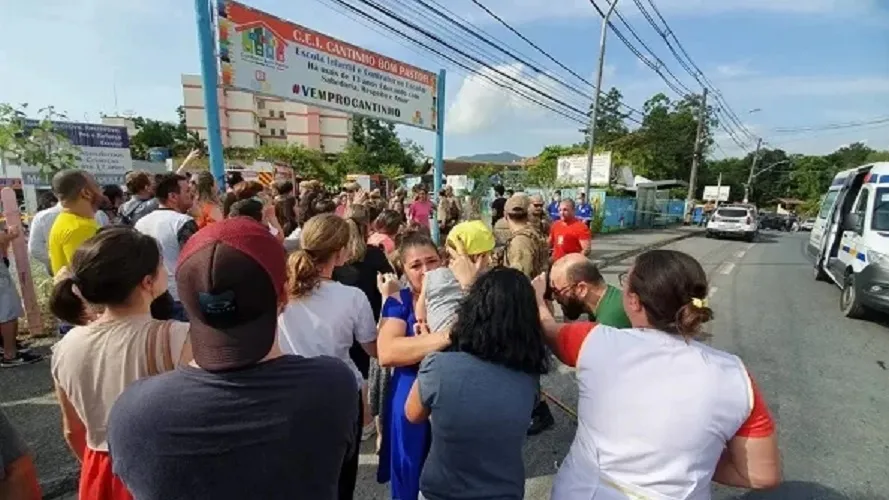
(262, 124)
(880, 217)
(283, 133)
(260, 104)
(732, 212)
(861, 208)
(272, 132)
(827, 203)
(280, 114)
(271, 113)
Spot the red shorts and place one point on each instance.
(97, 482)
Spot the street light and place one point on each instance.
(753, 175)
(597, 90)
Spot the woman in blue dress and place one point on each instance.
(405, 445)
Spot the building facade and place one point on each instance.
(249, 120)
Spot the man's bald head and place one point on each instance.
(576, 268)
(69, 184)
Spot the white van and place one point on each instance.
(849, 242)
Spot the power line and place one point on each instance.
(394, 30)
(412, 44)
(666, 33)
(432, 36)
(544, 52)
(658, 63)
(471, 46)
(830, 126)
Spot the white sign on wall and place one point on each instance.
(716, 193)
(572, 169)
(261, 53)
(104, 151)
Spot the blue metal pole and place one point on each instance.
(210, 79)
(438, 170)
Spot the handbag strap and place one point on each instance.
(159, 331)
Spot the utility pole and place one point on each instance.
(752, 169)
(696, 159)
(596, 92)
(718, 188)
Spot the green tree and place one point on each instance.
(38, 145)
(309, 163)
(610, 120)
(663, 146)
(374, 144)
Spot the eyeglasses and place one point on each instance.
(559, 292)
(537, 205)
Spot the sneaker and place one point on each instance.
(19, 347)
(368, 431)
(22, 358)
(541, 419)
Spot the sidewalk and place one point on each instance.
(608, 249)
(29, 402)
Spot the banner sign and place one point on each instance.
(571, 170)
(104, 151)
(716, 193)
(263, 54)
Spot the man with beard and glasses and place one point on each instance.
(579, 288)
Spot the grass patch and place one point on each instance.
(43, 288)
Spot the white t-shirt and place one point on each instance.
(326, 322)
(165, 225)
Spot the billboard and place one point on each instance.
(263, 54)
(571, 170)
(716, 193)
(104, 151)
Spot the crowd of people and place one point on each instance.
(242, 343)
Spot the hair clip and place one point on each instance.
(699, 303)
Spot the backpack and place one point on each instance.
(539, 245)
(453, 211)
(127, 218)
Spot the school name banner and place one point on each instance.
(261, 53)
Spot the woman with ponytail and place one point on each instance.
(660, 414)
(365, 262)
(323, 317)
(121, 271)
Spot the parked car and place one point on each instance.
(736, 221)
(807, 225)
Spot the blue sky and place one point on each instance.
(802, 62)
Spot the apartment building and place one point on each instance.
(248, 120)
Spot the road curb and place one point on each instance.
(617, 257)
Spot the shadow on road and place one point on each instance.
(764, 237)
(800, 490)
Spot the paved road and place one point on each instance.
(824, 377)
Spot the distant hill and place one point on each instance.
(504, 157)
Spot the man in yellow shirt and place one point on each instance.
(80, 197)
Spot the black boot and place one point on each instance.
(541, 419)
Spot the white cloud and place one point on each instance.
(481, 105)
(735, 70)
